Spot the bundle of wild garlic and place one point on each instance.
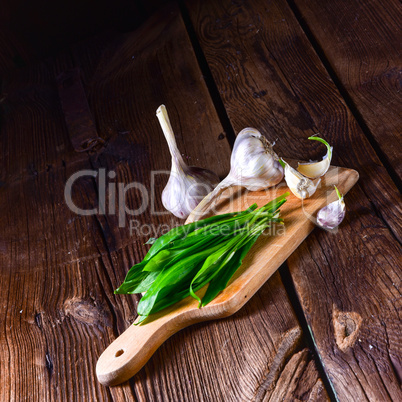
(191, 256)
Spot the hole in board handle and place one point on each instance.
(119, 353)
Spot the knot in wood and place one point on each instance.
(86, 311)
(346, 328)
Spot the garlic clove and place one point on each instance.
(314, 170)
(332, 214)
(301, 186)
(187, 185)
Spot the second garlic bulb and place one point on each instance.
(187, 185)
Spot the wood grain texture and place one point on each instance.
(53, 324)
(59, 269)
(362, 42)
(128, 353)
(269, 77)
(298, 375)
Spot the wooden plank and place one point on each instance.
(269, 77)
(362, 42)
(269, 84)
(33, 30)
(53, 323)
(60, 269)
(43, 29)
(13, 53)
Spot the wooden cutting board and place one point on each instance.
(132, 349)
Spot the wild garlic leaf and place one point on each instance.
(219, 282)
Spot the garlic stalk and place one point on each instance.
(301, 186)
(187, 185)
(332, 214)
(253, 165)
(314, 170)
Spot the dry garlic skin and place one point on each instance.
(300, 186)
(184, 192)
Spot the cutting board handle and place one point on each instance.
(133, 348)
(128, 354)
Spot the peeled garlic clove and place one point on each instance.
(301, 186)
(332, 214)
(314, 170)
(186, 186)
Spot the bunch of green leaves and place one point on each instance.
(191, 256)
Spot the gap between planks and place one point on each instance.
(308, 336)
(345, 95)
(208, 78)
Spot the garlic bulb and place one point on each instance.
(253, 165)
(301, 186)
(332, 214)
(314, 170)
(186, 186)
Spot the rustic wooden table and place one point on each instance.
(327, 324)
